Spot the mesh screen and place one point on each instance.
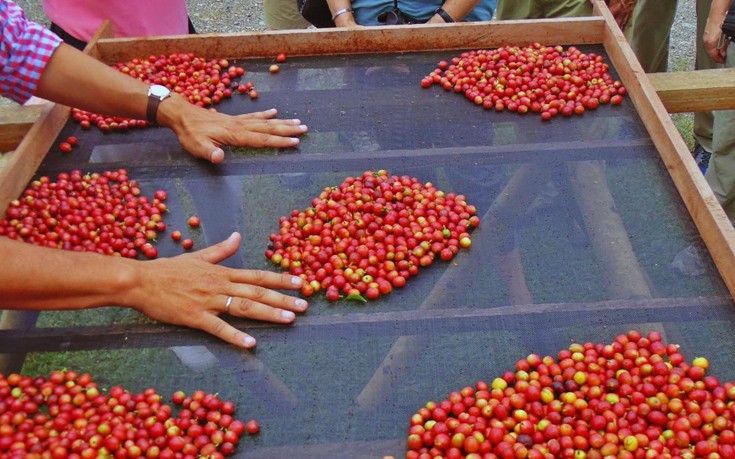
(583, 205)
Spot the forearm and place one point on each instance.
(341, 8)
(75, 79)
(717, 13)
(39, 278)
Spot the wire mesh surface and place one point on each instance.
(585, 201)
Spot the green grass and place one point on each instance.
(684, 122)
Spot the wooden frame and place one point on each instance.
(713, 224)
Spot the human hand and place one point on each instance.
(715, 43)
(622, 11)
(193, 290)
(203, 132)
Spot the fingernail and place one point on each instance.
(296, 120)
(232, 235)
(296, 281)
(288, 315)
(300, 304)
(249, 341)
(302, 127)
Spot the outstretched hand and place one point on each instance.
(193, 290)
(203, 132)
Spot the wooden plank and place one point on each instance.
(15, 121)
(384, 39)
(712, 222)
(695, 91)
(22, 163)
(15, 320)
(104, 31)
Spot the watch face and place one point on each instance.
(159, 91)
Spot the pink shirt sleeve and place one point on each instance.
(130, 18)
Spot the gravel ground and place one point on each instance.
(212, 16)
(683, 35)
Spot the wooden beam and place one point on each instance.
(22, 163)
(695, 91)
(15, 121)
(384, 39)
(713, 224)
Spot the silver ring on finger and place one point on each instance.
(228, 303)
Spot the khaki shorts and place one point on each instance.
(283, 14)
(537, 9)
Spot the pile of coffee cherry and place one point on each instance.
(549, 80)
(371, 233)
(67, 416)
(98, 212)
(203, 82)
(635, 398)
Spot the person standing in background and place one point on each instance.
(649, 33)
(76, 21)
(283, 14)
(703, 121)
(721, 171)
(369, 12)
(540, 9)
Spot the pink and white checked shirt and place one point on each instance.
(25, 49)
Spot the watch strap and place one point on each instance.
(156, 95)
(444, 15)
(151, 112)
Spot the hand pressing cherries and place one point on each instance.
(370, 234)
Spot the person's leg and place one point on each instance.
(283, 14)
(703, 120)
(567, 8)
(721, 172)
(516, 9)
(649, 37)
(535, 9)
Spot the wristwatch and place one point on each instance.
(156, 95)
(444, 15)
